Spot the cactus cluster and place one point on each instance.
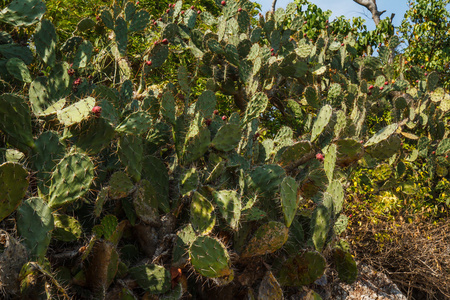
(105, 164)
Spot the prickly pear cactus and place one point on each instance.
(157, 168)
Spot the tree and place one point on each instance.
(426, 30)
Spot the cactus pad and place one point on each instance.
(210, 258)
(229, 206)
(145, 203)
(130, 150)
(289, 199)
(297, 154)
(323, 118)
(320, 224)
(67, 228)
(345, 265)
(136, 123)
(71, 179)
(77, 112)
(35, 224)
(15, 120)
(227, 138)
(202, 214)
(13, 185)
(302, 269)
(120, 185)
(267, 239)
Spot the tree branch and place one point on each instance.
(274, 3)
(371, 5)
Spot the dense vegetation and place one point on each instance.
(150, 148)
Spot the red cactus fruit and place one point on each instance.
(165, 41)
(97, 110)
(148, 63)
(370, 87)
(319, 156)
(224, 118)
(239, 9)
(216, 112)
(381, 88)
(386, 82)
(223, 3)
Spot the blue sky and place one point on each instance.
(350, 9)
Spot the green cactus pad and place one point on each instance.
(330, 161)
(45, 41)
(267, 239)
(320, 224)
(345, 266)
(185, 237)
(136, 123)
(15, 121)
(49, 150)
(18, 69)
(46, 91)
(23, 12)
(83, 55)
(76, 112)
(158, 55)
(267, 179)
(348, 151)
(340, 225)
(145, 203)
(155, 171)
(443, 147)
(189, 181)
(120, 185)
(323, 118)
(139, 21)
(130, 150)
(202, 217)
(13, 185)
(9, 51)
(102, 196)
(168, 107)
(94, 135)
(227, 138)
(206, 104)
(336, 190)
(210, 258)
(229, 205)
(289, 199)
(382, 135)
(35, 224)
(67, 228)
(71, 179)
(121, 31)
(302, 269)
(297, 154)
(255, 107)
(85, 24)
(197, 145)
(385, 148)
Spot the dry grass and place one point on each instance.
(415, 255)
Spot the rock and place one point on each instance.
(370, 285)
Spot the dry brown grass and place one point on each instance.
(415, 255)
